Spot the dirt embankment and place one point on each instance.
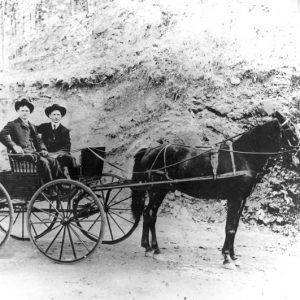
(133, 72)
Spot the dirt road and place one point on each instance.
(191, 269)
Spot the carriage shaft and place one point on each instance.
(172, 182)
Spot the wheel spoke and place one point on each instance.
(15, 220)
(94, 222)
(114, 204)
(4, 218)
(54, 239)
(51, 204)
(34, 229)
(63, 242)
(115, 196)
(110, 231)
(82, 242)
(42, 222)
(82, 229)
(71, 240)
(69, 209)
(122, 217)
(116, 223)
(46, 232)
(48, 212)
(107, 197)
(61, 207)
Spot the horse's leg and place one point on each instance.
(156, 201)
(145, 235)
(233, 205)
(149, 214)
(236, 225)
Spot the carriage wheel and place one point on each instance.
(18, 230)
(6, 215)
(116, 204)
(53, 225)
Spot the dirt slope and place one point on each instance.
(189, 71)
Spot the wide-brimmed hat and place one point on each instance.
(53, 107)
(24, 102)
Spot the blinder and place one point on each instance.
(292, 136)
(293, 139)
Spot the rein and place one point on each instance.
(209, 150)
(165, 167)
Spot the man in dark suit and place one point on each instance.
(21, 137)
(56, 138)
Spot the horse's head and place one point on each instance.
(290, 135)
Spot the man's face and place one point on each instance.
(55, 116)
(24, 113)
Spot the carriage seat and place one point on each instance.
(23, 164)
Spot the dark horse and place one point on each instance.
(250, 153)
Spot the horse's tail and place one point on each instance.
(138, 196)
(138, 203)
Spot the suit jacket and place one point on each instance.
(55, 140)
(17, 133)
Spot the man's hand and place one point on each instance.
(18, 149)
(44, 153)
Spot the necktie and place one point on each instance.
(53, 132)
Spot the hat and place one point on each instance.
(50, 109)
(24, 102)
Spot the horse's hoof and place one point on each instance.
(237, 263)
(159, 257)
(229, 265)
(233, 257)
(149, 253)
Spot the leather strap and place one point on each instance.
(229, 143)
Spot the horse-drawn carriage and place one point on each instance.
(66, 218)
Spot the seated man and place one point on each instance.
(21, 137)
(56, 138)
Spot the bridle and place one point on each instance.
(291, 127)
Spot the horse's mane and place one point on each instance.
(256, 134)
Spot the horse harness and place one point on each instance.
(214, 160)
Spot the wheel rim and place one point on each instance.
(6, 215)
(53, 225)
(116, 204)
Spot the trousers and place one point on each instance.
(49, 169)
(67, 160)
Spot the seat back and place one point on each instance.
(23, 163)
(23, 179)
(91, 165)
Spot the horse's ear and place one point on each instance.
(279, 117)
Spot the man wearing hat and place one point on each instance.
(56, 137)
(20, 136)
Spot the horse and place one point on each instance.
(249, 153)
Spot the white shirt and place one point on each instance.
(54, 125)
